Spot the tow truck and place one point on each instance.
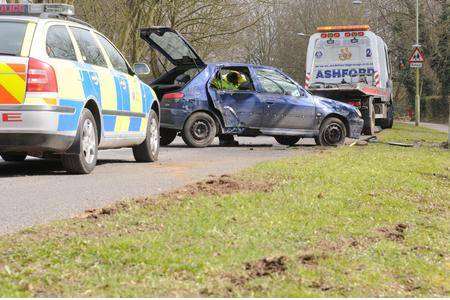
(351, 64)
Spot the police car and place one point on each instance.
(66, 90)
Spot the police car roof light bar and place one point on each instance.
(37, 9)
(343, 28)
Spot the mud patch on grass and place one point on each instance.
(396, 234)
(219, 186)
(438, 176)
(95, 213)
(236, 280)
(214, 186)
(266, 266)
(321, 285)
(311, 259)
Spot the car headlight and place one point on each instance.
(358, 112)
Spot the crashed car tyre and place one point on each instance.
(332, 132)
(287, 140)
(167, 136)
(148, 151)
(13, 157)
(199, 131)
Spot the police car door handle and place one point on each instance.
(123, 84)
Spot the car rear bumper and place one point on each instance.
(34, 142)
(356, 127)
(34, 128)
(173, 118)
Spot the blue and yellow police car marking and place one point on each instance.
(114, 92)
(69, 122)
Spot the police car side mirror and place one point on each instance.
(141, 69)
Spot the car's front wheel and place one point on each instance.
(287, 140)
(167, 136)
(148, 151)
(86, 143)
(13, 157)
(200, 130)
(332, 132)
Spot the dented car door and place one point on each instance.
(239, 108)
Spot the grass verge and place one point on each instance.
(359, 221)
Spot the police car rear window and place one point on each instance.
(59, 45)
(11, 37)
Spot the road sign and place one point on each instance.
(417, 58)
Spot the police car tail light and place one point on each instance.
(41, 77)
(173, 96)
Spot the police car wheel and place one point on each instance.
(148, 151)
(13, 157)
(167, 136)
(199, 131)
(86, 143)
(287, 140)
(332, 132)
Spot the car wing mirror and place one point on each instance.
(141, 69)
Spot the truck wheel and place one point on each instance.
(287, 140)
(369, 119)
(389, 122)
(148, 151)
(13, 157)
(332, 132)
(199, 131)
(86, 141)
(167, 136)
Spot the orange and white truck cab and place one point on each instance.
(66, 90)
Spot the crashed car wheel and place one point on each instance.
(332, 132)
(167, 136)
(199, 131)
(317, 140)
(13, 157)
(287, 140)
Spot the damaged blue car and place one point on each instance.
(198, 104)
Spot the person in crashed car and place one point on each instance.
(229, 82)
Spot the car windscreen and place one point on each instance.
(345, 59)
(11, 37)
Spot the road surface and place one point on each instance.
(38, 191)
(438, 127)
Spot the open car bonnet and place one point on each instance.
(172, 45)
